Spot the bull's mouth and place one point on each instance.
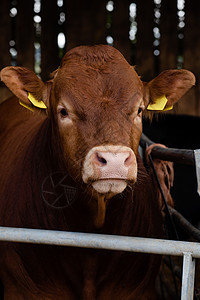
(110, 186)
(108, 169)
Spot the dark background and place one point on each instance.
(167, 36)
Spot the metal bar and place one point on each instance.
(99, 241)
(187, 290)
(181, 156)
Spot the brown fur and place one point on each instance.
(104, 94)
(165, 173)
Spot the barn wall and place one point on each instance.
(166, 37)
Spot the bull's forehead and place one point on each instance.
(85, 85)
(89, 75)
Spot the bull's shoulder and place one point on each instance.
(14, 117)
(11, 114)
(17, 127)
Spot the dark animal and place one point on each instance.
(179, 131)
(90, 132)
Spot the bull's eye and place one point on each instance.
(139, 110)
(64, 112)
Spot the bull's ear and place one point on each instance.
(26, 85)
(167, 88)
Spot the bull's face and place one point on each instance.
(98, 106)
(95, 101)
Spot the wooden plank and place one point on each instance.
(121, 27)
(5, 37)
(25, 34)
(191, 103)
(169, 38)
(85, 22)
(144, 47)
(49, 34)
(5, 33)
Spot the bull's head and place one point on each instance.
(96, 100)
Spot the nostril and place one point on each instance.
(101, 159)
(128, 159)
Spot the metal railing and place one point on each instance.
(189, 250)
(186, 157)
(181, 156)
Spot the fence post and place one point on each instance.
(187, 290)
(144, 48)
(85, 22)
(121, 27)
(168, 40)
(49, 34)
(5, 34)
(25, 34)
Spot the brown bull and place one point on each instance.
(89, 134)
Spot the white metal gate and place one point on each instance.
(189, 250)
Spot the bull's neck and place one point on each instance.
(99, 215)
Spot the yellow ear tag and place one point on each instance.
(168, 108)
(35, 102)
(26, 106)
(159, 104)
